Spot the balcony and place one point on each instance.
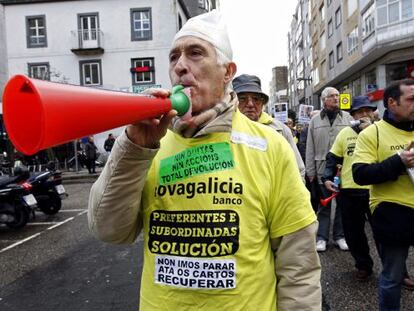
(390, 34)
(87, 42)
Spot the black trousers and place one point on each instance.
(90, 164)
(355, 213)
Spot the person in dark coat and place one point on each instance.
(109, 143)
(91, 155)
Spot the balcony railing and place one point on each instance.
(87, 41)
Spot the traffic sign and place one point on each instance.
(345, 101)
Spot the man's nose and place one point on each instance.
(181, 66)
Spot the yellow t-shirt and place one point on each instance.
(210, 207)
(391, 140)
(343, 147)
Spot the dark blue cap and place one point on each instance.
(359, 102)
(248, 84)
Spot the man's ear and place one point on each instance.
(391, 102)
(231, 69)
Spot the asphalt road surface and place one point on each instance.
(54, 263)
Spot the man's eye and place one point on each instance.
(173, 57)
(196, 52)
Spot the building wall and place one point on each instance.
(114, 22)
(383, 50)
(115, 25)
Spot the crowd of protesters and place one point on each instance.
(268, 236)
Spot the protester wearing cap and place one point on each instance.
(251, 102)
(226, 220)
(384, 155)
(353, 201)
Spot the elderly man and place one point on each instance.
(384, 158)
(218, 197)
(251, 102)
(322, 132)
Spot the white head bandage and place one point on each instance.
(209, 27)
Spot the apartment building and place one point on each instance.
(110, 44)
(360, 46)
(300, 90)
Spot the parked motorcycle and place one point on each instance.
(48, 190)
(16, 201)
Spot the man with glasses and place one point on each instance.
(251, 102)
(322, 131)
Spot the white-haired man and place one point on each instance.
(221, 221)
(322, 131)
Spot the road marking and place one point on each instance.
(72, 210)
(42, 223)
(55, 225)
(20, 242)
(61, 223)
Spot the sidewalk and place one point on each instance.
(79, 177)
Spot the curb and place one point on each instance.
(78, 178)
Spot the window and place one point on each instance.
(368, 22)
(370, 80)
(322, 42)
(39, 71)
(36, 31)
(352, 6)
(338, 17)
(143, 71)
(353, 41)
(322, 13)
(356, 87)
(323, 70)
(91, 73)
(141, 25)
(315, 76)
(204, 4)
(331, 60)
(391, 11)
(330, 28)
(339, 52)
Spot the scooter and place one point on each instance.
(16, 201)
(48, 190)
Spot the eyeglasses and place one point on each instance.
(256, 99)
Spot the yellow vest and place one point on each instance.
(368, 150)
(343, 147)
(211, 205)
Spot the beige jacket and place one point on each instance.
(114, 217)
(321, 136)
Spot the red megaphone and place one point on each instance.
(325, 202)
(40, 114)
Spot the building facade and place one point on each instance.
(360, 46)
(109, 44)
(277, 88)
(300, 88)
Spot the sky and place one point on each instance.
(258, 32)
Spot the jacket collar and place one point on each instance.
(405, 126)
(323, 113)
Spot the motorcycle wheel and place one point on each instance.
(51, 204)
(21, 217)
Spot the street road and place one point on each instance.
(56, 264)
